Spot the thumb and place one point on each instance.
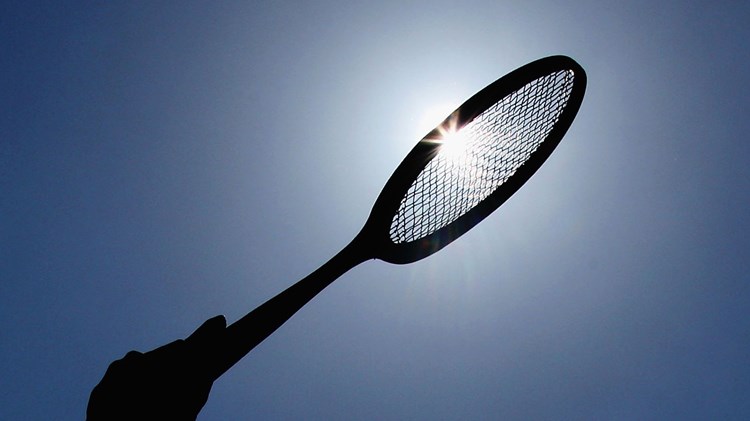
(210, 330)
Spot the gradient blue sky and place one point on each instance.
(163, 163)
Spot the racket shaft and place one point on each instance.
(243, 335)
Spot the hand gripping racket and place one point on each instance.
(453, 178)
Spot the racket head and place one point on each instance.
(393, 240)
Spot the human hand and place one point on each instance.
(171, 382)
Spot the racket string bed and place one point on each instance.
(495, 144)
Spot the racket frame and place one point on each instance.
(377, 227)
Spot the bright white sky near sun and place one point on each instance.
(163, 164)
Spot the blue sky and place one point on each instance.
(162, 164)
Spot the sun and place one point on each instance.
(433, 116)
(453, 144)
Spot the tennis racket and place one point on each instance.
(457, 175)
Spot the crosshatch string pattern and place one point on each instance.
(496, 143)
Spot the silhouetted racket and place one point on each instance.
(453, 178)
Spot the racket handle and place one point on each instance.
(244, 334)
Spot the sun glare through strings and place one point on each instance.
(453, 144)
(476, 159)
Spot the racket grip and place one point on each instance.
(244, 334)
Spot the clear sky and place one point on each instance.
(161, 164)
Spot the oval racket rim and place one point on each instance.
(377, 227)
